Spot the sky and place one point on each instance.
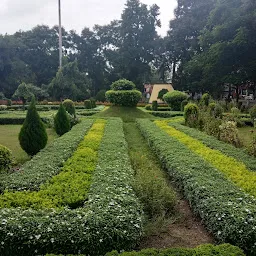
(23, 15)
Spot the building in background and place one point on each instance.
(151, 91)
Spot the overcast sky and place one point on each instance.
(24, 14)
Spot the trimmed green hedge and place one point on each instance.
(111, 218)
(214, 143)
(203, 250)
(165, 114)
(225, 210)
(46, 163)
(19, 120)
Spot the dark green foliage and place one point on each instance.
(202, 250)
(88, 104)
(5, 158)
(124, 98)
(174, 99)
(253, 112)
(93, 102)
(148, 107)
(33, 136)
(205, 100)
(191, 115)
(123, 85)
(183, 104)
(100, 96)
(162, 93)
(9, 102)
(154, 105)
(218, 111)
(61, 121)
(166, 114)
(69, 107)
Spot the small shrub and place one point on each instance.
(253, 113)
(191, 114)
(218, 111)
(9, 102)
(93, 102)
(162, 93)
(69, 107)
(148, 107)
(3, 107)
(123, 85)
(154, 105)
(183, 104)
(210, 125)
(33, 136)
(205, 100)
(211, 108)
(174, 99)
(100, 96)
(229, 133)
(61, 121)
(5, 158)
(88, 104)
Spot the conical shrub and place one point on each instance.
(33, 136)
(61, 121)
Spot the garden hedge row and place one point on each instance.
(233, 169)
(70, 187)
(47, 162)
(203, 250)
(212, 142)
(42, 107)
(225, 210)
(19, 120)
(166, 114)
(111, 218)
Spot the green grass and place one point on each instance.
(9, 138)
(245, 135)
(128, 114)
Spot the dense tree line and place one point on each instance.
(209, 43)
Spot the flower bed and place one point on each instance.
(235, 170)
(47, 162)
(226, 211)
(227, 149)
(110, 219)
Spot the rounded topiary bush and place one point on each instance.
(205, 100)
(174, 99)
(5, 158)
(123, 93)
(148, 107)
(69, 106)
(93, 102)
(61, 121)
(33, 136)
(88, 104)
(123, 85)
(191, 114)
(100, 96)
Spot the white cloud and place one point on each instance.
(76, 14)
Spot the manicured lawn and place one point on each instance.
(128, 114)
(9, 138)
(245, 134)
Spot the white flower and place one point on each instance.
(52, 240)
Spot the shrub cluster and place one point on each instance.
(46, 163)
(174, 99)
(204, 250)
(123, 93)
(61, 121)
(5, 158)
(166, 114)
(111, 218)
(229, 133)
(70, 187)
(226, 211)
(235, 170)
(212, 142)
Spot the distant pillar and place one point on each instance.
(60, 37)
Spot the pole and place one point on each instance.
(60, 37)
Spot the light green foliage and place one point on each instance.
(205, 100)
(61, 121)
(220, 203)
(148, 107)
(33, 136)
(5, 158)
(23, 93)
(69, 106)
(46, 163)
(174, 99)
(123, 85)
(202, 250)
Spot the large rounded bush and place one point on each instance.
(124, 98)
(174, 99)
(5, 158)
(191, 114)
(69, 106)
(100, 96)
(33, 136)
(88, 104)
(123, 85)
(61, 121)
